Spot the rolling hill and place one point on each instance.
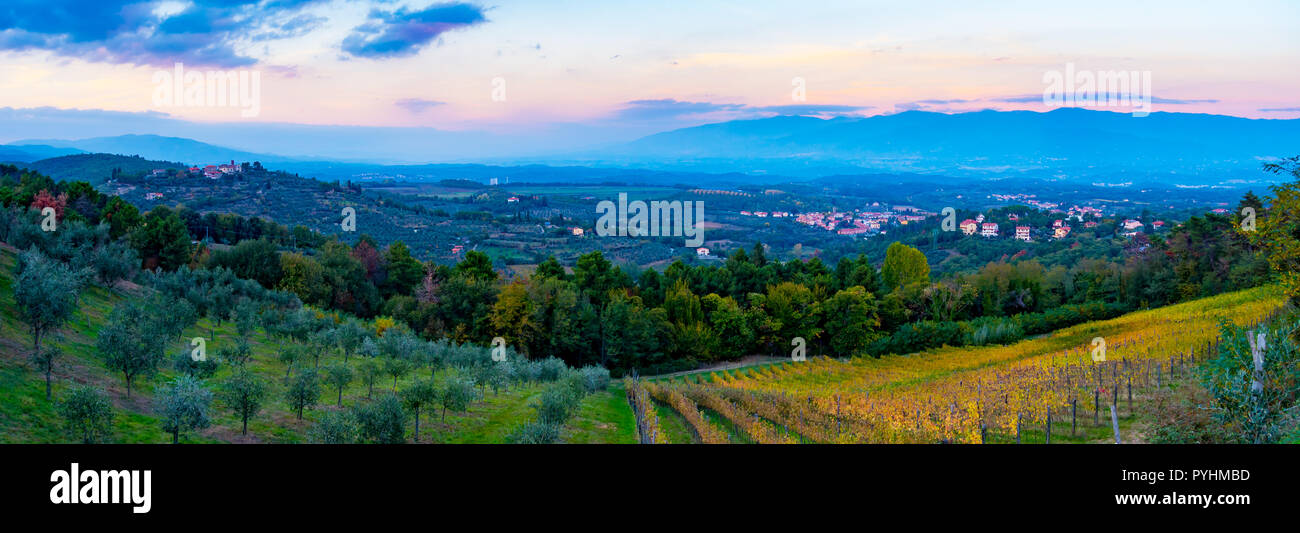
(96, 168)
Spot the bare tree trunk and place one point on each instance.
(417, 424)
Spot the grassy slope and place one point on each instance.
(25, 415)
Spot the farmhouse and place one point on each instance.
(1022, 233)
(969, 226)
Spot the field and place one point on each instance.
(1057, 387)
(26, 416)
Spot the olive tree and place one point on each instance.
(87, 415)
(396, 367)
(339, 375)
(456, 395)
(420, 394)
(183, 406)
(334, 427)
(303, 391)
(243, 392)
(350, 334)
(370, 371)
(45, 292)
(382, 421)
(131, 342)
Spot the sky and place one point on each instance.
(585, 72)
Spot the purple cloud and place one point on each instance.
(130, 32)
(1032, 98)
(668, 108)
(404, 32)
(418, 105)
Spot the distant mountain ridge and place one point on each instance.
(33, 152)
(1072, 142)
(155, 147)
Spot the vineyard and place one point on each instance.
(1048, 388)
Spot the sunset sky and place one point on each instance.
(619, 68)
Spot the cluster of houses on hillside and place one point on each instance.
(856, 222)
(208, 171)
(1060, 229)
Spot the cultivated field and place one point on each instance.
(27, 417)
(1059, 383)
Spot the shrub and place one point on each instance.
(88, 415)
(382, 421)
(594, 378)
(557, 404)
(534, 433)
(335, 427)
(551, 369)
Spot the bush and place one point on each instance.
(335, 427)
(534, 433)
(594, 378)
(994, 330)
(1255, 415)
(88, 415)
(551, 369)
(557, 404)
(382, 421)
(184, 363)
(456, 395)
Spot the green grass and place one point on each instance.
(603, 417)
(675, 428)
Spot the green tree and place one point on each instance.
(396, 367)
(791, 307)
(162, 239)
(370, 370)
(243, 392)
(303, 391)
(87, 415)
(45, 294)
(247, 317)
(550, 268)
(850, 321)
(255, 259)
(334, 427)
(404, 271)
(122, 217)
(183, 406)
(290, 355)
(1277, 232)
(420, 394)
(512, 316)
(729, 322)
(477, 266)
(903, 266)
(382, 421)
(239, 352)
(339, 375)
(456, 395)
(350, 335)
(131, 341)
